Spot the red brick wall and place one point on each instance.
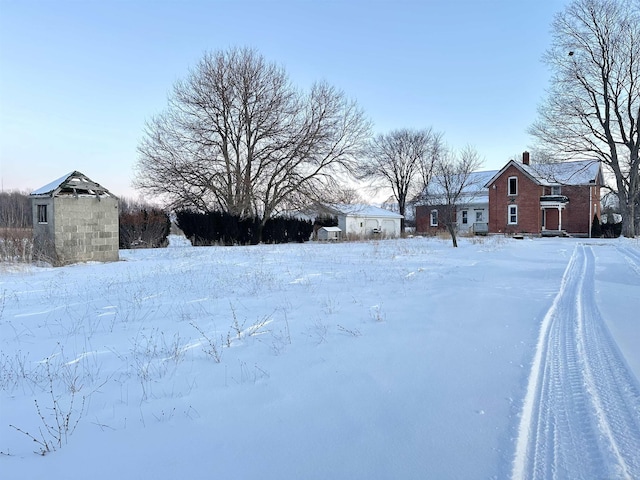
(423, 219)
(578, 215)
(527, 200)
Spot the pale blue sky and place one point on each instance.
(78, 79)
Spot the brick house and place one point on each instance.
(470, 214)
(75, 220)
(545, 199)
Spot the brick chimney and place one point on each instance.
(525, 158)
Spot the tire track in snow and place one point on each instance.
(581, 413)
(631, 256)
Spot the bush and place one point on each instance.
(596, 229)
(142, 226)
(611, 230)
(16, 245)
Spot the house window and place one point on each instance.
(464, 217)
(513, 185)
(479, 216)
(556, 190)
(434, 218)
(42, 214)
(513, 214)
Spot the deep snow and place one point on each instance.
(388, 359)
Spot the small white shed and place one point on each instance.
(367, 221)
(329, 233)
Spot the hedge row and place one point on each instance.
(214, 228)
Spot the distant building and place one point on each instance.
(329, 233)
(366, 221)
(75, 220)
(522, 198)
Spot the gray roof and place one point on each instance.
(74, 183)
(361, 210)
(580, 172)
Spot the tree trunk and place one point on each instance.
(627, 211)
(452, 231)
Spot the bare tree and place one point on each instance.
(452, 178)
(399, 158)
(593, 105)
(436, 150)
(342, 194)
(237, 136)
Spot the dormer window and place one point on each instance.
(513, 186)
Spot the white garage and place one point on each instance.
(367, 221)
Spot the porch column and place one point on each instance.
(559, 218)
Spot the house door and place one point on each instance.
(551, 218)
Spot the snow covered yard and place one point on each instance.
(390, 359)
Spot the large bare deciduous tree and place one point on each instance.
(452, 178)
(593, 104)
(239, 137)
(401, 160)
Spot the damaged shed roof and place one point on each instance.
(74, 183)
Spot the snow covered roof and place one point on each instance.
(50, 187)
(331, 229)
(361, 210)
(74, 183)
(475, 189)
(580, 172)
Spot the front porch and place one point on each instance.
(552, 207)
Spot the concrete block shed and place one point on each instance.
(75, 220)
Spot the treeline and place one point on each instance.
(215, 228)
(15, 210)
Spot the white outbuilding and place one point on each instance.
(329, 233)
(366, 221)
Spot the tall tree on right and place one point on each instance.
(593, 102)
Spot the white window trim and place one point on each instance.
(465, 217)
(509, 186)
(509, 214)
(433, 218)
(557, 188)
